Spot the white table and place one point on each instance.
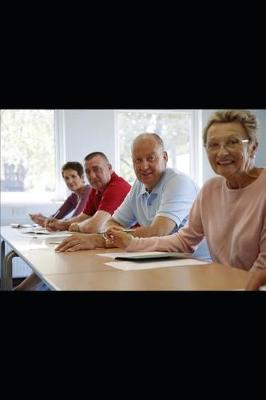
(85, 270)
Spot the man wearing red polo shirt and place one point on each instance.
(108, 192)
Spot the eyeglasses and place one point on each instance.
(232, 143)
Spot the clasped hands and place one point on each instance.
(113, 237)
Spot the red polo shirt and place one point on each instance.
(110, 199)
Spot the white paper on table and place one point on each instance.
(44, 243)
(130, 265)
(41, 233)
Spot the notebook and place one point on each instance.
(154, 256)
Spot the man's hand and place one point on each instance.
(117, 237)
(79, 242)
(256, 280)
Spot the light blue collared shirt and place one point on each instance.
(172, 198)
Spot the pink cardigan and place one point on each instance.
(233, 222)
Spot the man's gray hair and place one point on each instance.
(147, 135)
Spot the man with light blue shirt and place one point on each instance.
(171, 199)
(159, 202)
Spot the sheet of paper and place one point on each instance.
(43, 233)
(130, 265)
(133, 253)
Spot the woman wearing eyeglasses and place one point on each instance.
(230, 210)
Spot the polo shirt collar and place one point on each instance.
(155, 190)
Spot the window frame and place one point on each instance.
(195, 139)
(60, 156)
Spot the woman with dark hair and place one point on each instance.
(73, 174)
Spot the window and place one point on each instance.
(179, 129)
(30, 157)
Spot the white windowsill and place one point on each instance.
(9, 198)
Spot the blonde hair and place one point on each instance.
(248, 120)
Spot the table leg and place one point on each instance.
(3, 251)
(6, 271)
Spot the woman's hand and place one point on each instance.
(78, 242)
(38, 219)
(56, 225)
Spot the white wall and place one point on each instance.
(87, 131)
(261, 154)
